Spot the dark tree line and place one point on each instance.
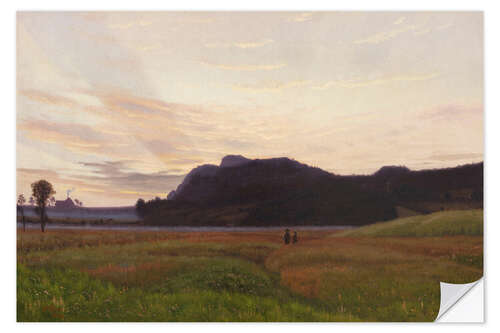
(144, 208)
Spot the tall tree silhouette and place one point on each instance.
(20, 208)
(42, 191)
(140, 207)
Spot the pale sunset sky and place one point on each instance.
(121, 105)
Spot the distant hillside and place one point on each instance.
(427, 191)
(448, 223)
(281, 191)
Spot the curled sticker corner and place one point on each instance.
(451, 293)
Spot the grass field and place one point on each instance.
(248, 276)
(446, 223)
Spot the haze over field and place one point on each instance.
(122, 105)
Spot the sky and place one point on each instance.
(114, 106)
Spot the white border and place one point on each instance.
(492, 84)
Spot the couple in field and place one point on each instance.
(287, 237)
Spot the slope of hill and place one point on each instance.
(449, 223)
(281, 191)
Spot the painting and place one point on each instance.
(239, 166)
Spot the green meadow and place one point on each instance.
(446, 223)
(382, 272)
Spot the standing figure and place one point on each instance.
(286, 237)
(295, 238)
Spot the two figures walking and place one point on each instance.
(287, 237)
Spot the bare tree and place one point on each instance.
(20, 208)
(42, 190)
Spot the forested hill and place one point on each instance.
(282, 191)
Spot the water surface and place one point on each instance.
(60, 226)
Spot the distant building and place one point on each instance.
(65, 204)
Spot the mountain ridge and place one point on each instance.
(283, 191)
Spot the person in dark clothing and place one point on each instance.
(295, 238)
(286, 237)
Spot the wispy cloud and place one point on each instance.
(147, 48)
(116, 176)
(245, 68)
(456, 157)
(98, 87)
(128, 25)
(46, 98)
(400, 20)
(159, 133)
(422, 31)
(393, 33)
(43, 173)
(251, 45)
(178, 160)
(379, 81)
(444, 26)
(302, 17)
(195, 19)
(134, 107)
(142, 193)
(75, 137)
(451, 112)
(271, 86)
(241, 45)
(61, 181)
(109, 178)
(385, 35)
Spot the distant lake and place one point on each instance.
(56, 226)
(86, 213)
